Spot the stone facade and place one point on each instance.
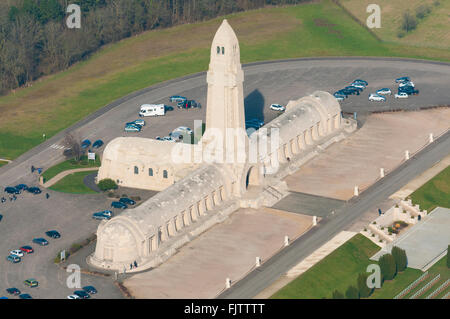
(197, 195)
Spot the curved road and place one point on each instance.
(265, 83)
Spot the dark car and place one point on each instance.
(40, 241)
(53, 234)
(188, 104)
(349, 92)
(97, 144)
(127, 201)
(25, 296)
(342, 92)
(34, 190)
(27, 249)
(361, 81)
(119, 205)
(104, 215)
(168, 108)
(90, 290)
(408, 90)
(352, 89)
(12, 190)
(177, 98)
(13, 291)
(85, 144)
(82, 294)
(1, 217)
(402, 79)
(21, 187)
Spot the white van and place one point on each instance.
(152, 110)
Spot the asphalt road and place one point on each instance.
(331, 225)
(265, 83)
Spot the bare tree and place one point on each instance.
(73, 144)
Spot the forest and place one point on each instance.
(35, 40)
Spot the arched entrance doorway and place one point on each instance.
(252, 178)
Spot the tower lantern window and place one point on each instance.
(223, 50)
(218, 50)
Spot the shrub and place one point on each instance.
(388, 267)
(401, 261)
(364, 291)
(352, 293)
(409, 22)
(422, 11)
(111, 194)
(400, 34)
(337, 295)
(107, 184)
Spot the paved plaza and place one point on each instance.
(426, 242)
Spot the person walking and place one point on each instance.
(131, 266)
(47, 196)
(135, 264)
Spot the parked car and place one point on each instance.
(90, 290)
(177, 99)
(183, 130)
(132, 128)
(361, 81)
(34, 190)
(1, 217)
(188, 104)
(277, 107)
(342, 92)
(105, 215)
(254, 122)
(53, 234)
(73, 297)
(140, 122)
(32, 283)
(376, 97)
(119, 205)
(16, 252)
(97, 144)
(339, 97)
(408, 90)
(21, 187)
(40, 241)
(13, 291)
(384, 91)
(14, 259)
(350, 91)
(127, 201)
(27, 249)
(25, 296)
(401, 95)
(168, 108)
(353, 88)
(12, 190)
(168, 139)
(82, 294)
(85, 144)
(358, 85)
(402, 79)
(403, 84)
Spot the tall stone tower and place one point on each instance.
(225, 116)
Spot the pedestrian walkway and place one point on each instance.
(306, 263)
(61, 175)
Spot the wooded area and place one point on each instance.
(35, 41)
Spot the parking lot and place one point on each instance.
(30, 216)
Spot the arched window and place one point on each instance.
(223, 50)
(136, 170)
(150, 172)
(165, 174)
(218, 50)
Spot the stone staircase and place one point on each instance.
(266, 196)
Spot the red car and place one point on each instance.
(27, 249)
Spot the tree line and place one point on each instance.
(35, 41)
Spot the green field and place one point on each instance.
(436, 192)
(73, 184)
(68, 165)
(60, 100)
(432, 31)
(337, 271)
(392, 288)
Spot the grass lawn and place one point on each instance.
(73, 183)
(392, 288)
(436, 192)
(337, 271)
(68, 165)
(60, 100)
